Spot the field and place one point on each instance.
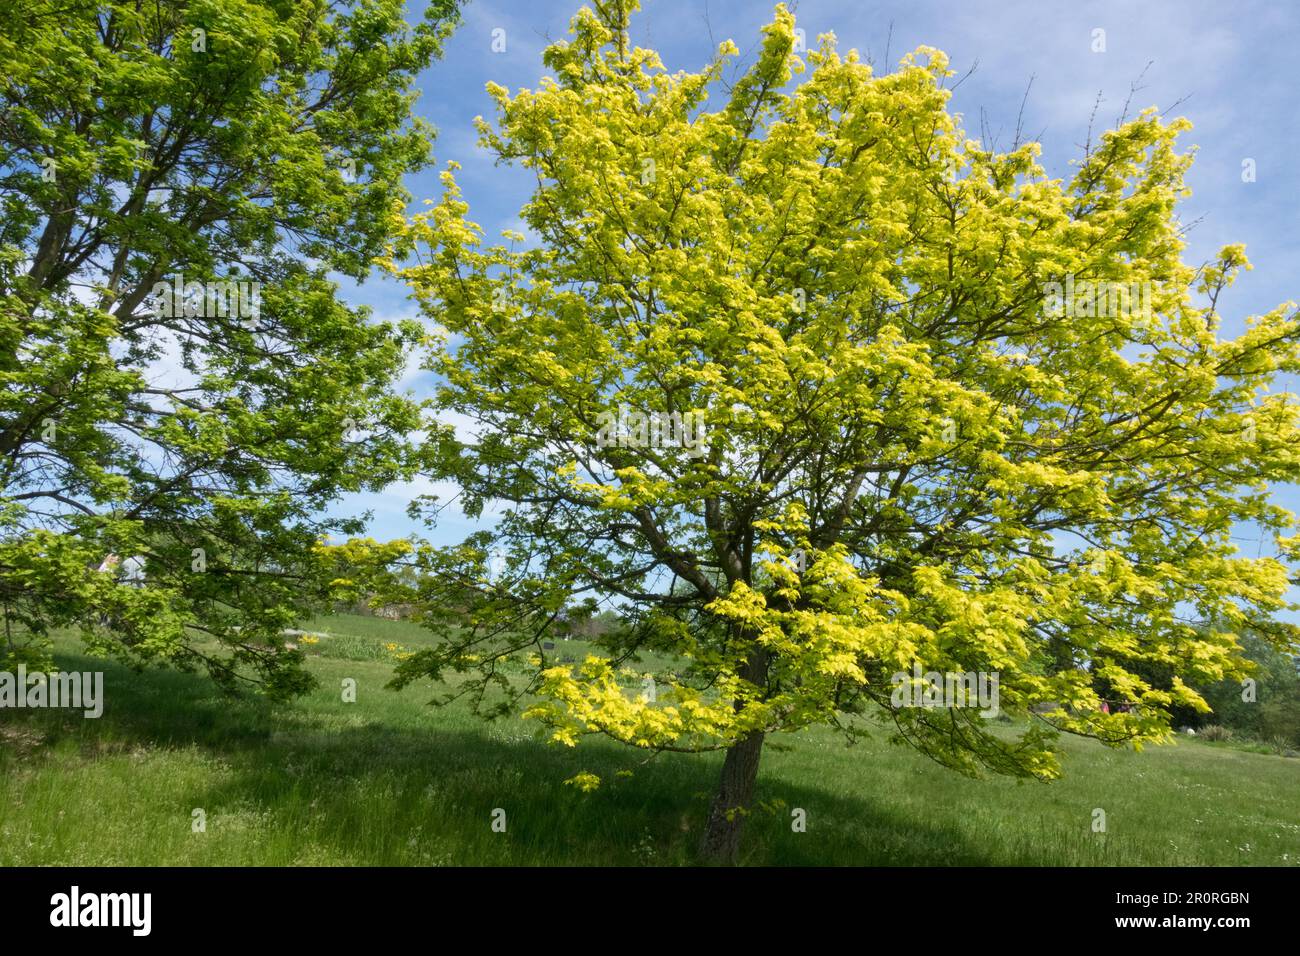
(388, 780)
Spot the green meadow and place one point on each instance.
(388, 780)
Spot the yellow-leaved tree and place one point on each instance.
(829, 398)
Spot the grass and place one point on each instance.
(387, 780)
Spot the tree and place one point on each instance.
(1267, 706)
(821, 390)
(181, 382)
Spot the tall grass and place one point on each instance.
(387, 780)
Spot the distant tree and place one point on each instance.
(1266, 704)
(821, 390)
(583, 621)
(179, 381)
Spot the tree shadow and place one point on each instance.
(446, 789)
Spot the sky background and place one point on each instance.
(1232, 66)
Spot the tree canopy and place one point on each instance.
(181, 383)
(958, 415)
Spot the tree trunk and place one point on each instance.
(735, 791)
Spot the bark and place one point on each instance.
(735, 791)
(721, 842)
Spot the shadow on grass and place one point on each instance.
(403, 784)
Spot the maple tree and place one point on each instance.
(958, 415)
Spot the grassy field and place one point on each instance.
(388, 780)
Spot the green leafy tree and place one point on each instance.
(181, 389)
(1264, 706)
(820, 389)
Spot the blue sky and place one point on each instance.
(1232, 66)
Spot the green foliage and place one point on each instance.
(913, 454)
(1266, 709)
(215, 141)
